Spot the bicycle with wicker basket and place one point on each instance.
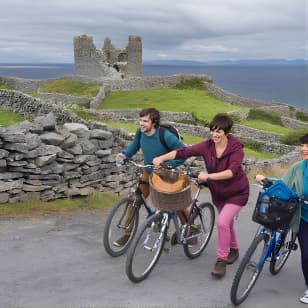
(148, 244)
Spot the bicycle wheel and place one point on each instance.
(249, 269)
(204, 219)
(116, 224)
(282, 255)
(146, 248)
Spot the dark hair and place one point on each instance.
(221, 121)
(153, 113)
(304, 139)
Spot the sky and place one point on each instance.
(42, 31)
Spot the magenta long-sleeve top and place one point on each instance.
(233, 190)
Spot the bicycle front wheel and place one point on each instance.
(146, 248)
(123, 216)
(249, 269)
(282, 252)
(202, 220)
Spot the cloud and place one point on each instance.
(205, 30)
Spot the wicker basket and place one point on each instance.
(171, 201)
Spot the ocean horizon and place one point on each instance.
(286, 84)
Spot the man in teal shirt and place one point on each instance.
(148, 140)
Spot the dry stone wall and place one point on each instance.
(59, 155)
(44, 160)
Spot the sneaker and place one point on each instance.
(304, 298)
(219, 269)
(232, 256)
(121, 241)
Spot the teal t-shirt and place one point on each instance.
(152, 147)
(304, 206)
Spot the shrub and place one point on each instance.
(192, 83)
(293, 137)
(258, 114)
(253, 145)
(302, 116)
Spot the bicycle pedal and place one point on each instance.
(292, 246)
(173, 239)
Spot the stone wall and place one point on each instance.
(59, 155)
(268, 142)
(23, 84)
(46, 161)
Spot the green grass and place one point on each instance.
(200, 102)
(8, 118)
(72, 87)
(203, 105)
(267, 126)
(96, 200)
(5, 86)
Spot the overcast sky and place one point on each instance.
(36, 31)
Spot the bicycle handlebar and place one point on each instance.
(192, 174)
(125, 161)
(266, 183)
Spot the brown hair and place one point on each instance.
(221, 121)
(153, 113)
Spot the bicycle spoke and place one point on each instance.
(249, 270)
(146, 248)
(123, 217)
(282, 252)
(202, 221)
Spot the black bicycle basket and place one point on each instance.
(272, 210)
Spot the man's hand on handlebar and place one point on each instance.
(157, 162)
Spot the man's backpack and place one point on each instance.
(163, 127)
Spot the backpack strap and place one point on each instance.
(138, 136)
(162, 138)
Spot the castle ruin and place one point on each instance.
(108, 62)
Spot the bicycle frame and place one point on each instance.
(179, 232)
(270, 250)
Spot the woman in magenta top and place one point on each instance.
(223, 156)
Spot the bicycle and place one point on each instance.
(148, 244)
(117, 221)
(273, 245)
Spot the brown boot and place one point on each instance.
(219, 269)
(232, 256)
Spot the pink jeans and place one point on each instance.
(225, 229)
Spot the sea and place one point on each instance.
(286, 84)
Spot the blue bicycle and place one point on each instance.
(273, 244)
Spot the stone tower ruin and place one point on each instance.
(110, 62)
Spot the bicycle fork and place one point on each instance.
(164, 224)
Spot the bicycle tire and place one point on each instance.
(248, 266)
(112, 230)
(205, 218)
(280, 258)
(146, 248)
